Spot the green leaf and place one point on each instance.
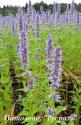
(60, 109)
(71, 123)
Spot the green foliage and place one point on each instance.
(70, 41)
(7, 53)
(6, 10)
(77, 101)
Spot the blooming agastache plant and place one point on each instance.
(22, 49)
(37, 25)
(20, 14)
(56, 68)
(23, 53)
(54, 59)
(49, 50)
(29, 14)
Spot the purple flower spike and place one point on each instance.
(55, 86)
(29, 14)
(23, 52)
(37, 57)
(20, 19)
(50, 111)
(31, 83)
(43, 101)
(37, 26)
(55, 97)
(49, 49)
(56, 68)
(54, 63)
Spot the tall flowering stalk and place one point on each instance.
(13, 27)
(49, 50)
(54, 63)
(54, 66)
(54, 9)
(72, 6)
(37, 25)
(78, 18)
(47, 17)
(20, 19)
(22, 49)
(33, 20)
(33, 16)
(72, 10)
(29, 13)
(67, 14)
(58, 14)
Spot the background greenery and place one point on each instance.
(6, 10)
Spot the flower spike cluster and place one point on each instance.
(22, 49)
(54, 59)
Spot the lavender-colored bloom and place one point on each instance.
(56, 68)
(58, 12)
(50, 111)
(55, 86)
(20, 19)
(78, 18)
(43, 17)
(47, 18)
(27, 74)
(37, 57)
(55, 97)
(29, 13)
(49, 49)
(54, 9)
(73, 116)
(31, 83)
(14, 27)
(22, 49)
(54, 64)
(54, 75)
(72, 6)
(43, 101)
(37, 26)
